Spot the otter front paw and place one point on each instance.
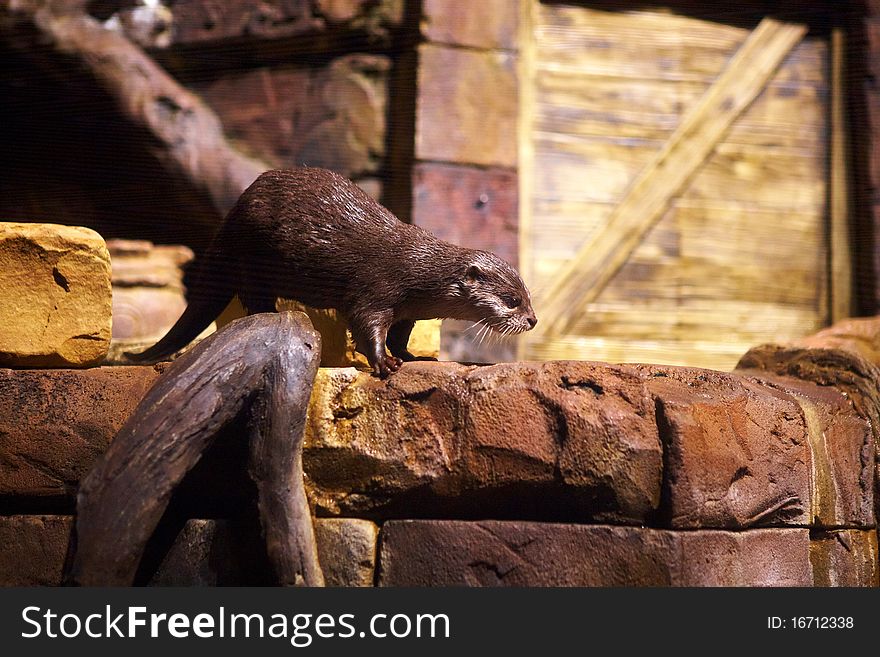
(386, 366)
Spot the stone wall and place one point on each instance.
(558, 473)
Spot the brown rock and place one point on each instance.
(55, 299)
(757, 557)
(588, 427)
(737, 454)
(859, 335)
(331, 116)
(435, 553)
(557, 440)
(841, 452)
(457, 120)
(845, 557)
(842, 356)
(564, 439)
(55, 423)
(486, 24)
(32, 549)
(492, 553)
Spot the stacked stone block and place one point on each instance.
(559, 473)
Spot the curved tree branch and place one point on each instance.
(263, 365)
(189, 136)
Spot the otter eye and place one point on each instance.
(511, 302)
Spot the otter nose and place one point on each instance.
(532, 320)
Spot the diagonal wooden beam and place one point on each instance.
(747, 73)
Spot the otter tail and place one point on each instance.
(210, 295)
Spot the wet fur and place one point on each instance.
(311, 235)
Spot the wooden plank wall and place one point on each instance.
(741, 256)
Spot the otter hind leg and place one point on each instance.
(398, 339)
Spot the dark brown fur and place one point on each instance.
(311, 235)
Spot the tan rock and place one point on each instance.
(467, 106)
(347, 550)
(55, 296)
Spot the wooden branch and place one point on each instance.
(188, 134)
(263, 365)
(586, 275)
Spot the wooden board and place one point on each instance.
(740, 255)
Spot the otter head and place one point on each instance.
(495, 295)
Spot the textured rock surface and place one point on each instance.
(491, 553)
(55, 299)
(536, 440)
(844, 356)
(737, 455)
(551, 441)
(845, 557)
(204, 553)
(55, 423)
(347, 550)
(740, 453)
(485, 24)
(453, 86)
(841, 452)
(32, 549)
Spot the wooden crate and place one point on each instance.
(678, 203)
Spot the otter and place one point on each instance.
(312, 235)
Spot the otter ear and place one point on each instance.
(474, 273)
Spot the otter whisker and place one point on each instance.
(472, 326)
(479, 325)
(485, 333)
